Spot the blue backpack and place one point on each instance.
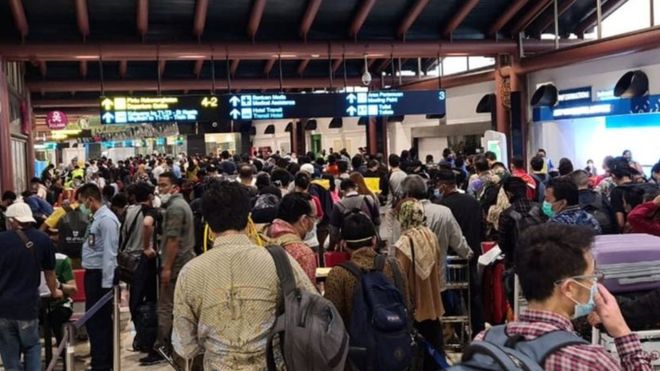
(498, 351)
(381, 328)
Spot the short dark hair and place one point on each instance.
(542, 150)
(516, 187)
(394, 160)
(481, 165)
(563, 188)
(580, 178)
(518, 162)
(537, 163)
(89, 190)
(142, 191)
(245, 171)
(357, 227)
(226, 206)
(108, 192)
(302, 180)
(293, 206)
(445, 176)
(119, 200)
(548, 253)
(347, 184)
(9, 195)
(491, 156)
(620, 168)
(357, 161)
(446, 152)
(271, 190)
(282, 176)
(343, 166)
(171, 177)
(224, 155)
(565, 166)
(263, 180)
(656, 168)
(633, 196)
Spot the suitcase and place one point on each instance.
(493, 294)
(332, 258)
(629, 262)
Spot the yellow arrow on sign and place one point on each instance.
(107, 104)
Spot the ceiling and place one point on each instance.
(67, 24)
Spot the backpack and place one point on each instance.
(311, 332)
(72, 230)
(533, 217)
(361, 202)
(600, 209)
(498, 351)
(380, 328)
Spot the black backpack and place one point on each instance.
(498, 351)
(523, 221)
(600, 209)
(72, 230)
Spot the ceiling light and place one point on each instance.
(192, 56)
(316, 55)
(87, 57)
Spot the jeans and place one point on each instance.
(20, 337)
(99, 326)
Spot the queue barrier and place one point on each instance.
(70, 329)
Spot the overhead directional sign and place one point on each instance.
(128, 110)
(137, 110)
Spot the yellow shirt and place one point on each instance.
(54, 218)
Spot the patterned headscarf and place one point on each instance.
(411, 214)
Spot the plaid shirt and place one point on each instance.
(534, 323)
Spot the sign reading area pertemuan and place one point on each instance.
(199, 108)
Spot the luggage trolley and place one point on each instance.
(456, 299)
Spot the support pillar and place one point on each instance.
(372, 140)
(6, 165)
(518, 83)
(501, 96)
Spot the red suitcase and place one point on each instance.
(332, 258)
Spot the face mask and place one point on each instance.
(165, 198)
(547, 209)
(582, 310)
(85, 210)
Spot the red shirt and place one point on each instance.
(587, 357)
(640, 221)
(531, 183)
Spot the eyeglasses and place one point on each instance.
(596, 277)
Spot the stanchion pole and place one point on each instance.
(70, 351)
(116, 341)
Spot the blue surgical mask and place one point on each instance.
(547, 209)
(582, 310)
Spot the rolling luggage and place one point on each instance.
(629, 262)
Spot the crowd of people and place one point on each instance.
(188, 233)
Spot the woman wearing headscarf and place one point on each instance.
(418, 252)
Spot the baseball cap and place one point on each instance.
(308, 168)
(21, 212)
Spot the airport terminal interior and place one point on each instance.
(329, 185)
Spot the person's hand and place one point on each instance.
(57, 294)
(656, 201)
(593, 319)
(150, 253)
(610, 314)
(165, 276)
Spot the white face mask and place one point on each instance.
(165, 198)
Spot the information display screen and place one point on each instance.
(128, 110)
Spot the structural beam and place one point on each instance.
(257, 12)
(592, 20)
(450, 81)
(335, 64)
(233, 66)
(383, 64)
(528, 17)
(82, 17)
(308, 18)
(459, 17)
(197, 70)
(83, 69)
(161, 67)
(360, 17)
(302, 66)
(20, 20)
(508, 14)
(43, 68)
(548, 18)
(269, 66)
(616, 45)
(265, 51)
(65, 103)
(168, 85)
(410, 18)
(123, 68)
(199, 20)
(142, 18)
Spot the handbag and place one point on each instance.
(127, 263)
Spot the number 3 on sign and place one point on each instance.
(210, 102)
